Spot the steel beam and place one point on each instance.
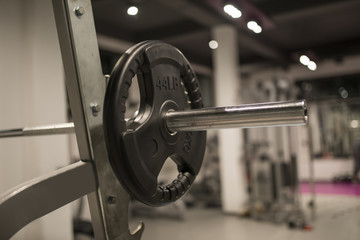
(40, 196)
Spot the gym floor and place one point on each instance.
(337, 217)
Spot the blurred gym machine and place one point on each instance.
(123, 157)
(272, 166)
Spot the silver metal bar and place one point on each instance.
(62, 128)
(40, 196)
(243, 116)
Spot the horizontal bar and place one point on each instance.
(40, 196)
(243, 116)
(62, 128)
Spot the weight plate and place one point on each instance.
(139, 147)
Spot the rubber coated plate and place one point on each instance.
(138, 148)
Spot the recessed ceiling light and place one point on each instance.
(213, 44)
(354, 124)
(132, 11)
(254, 26)
(312, 66)
(305, 60)
(343, 92)
(232, 11)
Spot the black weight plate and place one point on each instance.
(138, 149)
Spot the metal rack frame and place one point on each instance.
(93, 176)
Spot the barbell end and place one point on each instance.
(55, 129)
(272, 114)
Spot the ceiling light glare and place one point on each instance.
(305, 60)
(232, 11)
(354, 123)
(343, 92)
(258, 29)
(132, 11)
(254, 26)
(312, 66)
(213, 44)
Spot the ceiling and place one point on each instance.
(321, 29)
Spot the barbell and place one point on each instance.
(170, 122)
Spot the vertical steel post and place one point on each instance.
(86, 86)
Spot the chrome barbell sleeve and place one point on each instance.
(242, 116)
